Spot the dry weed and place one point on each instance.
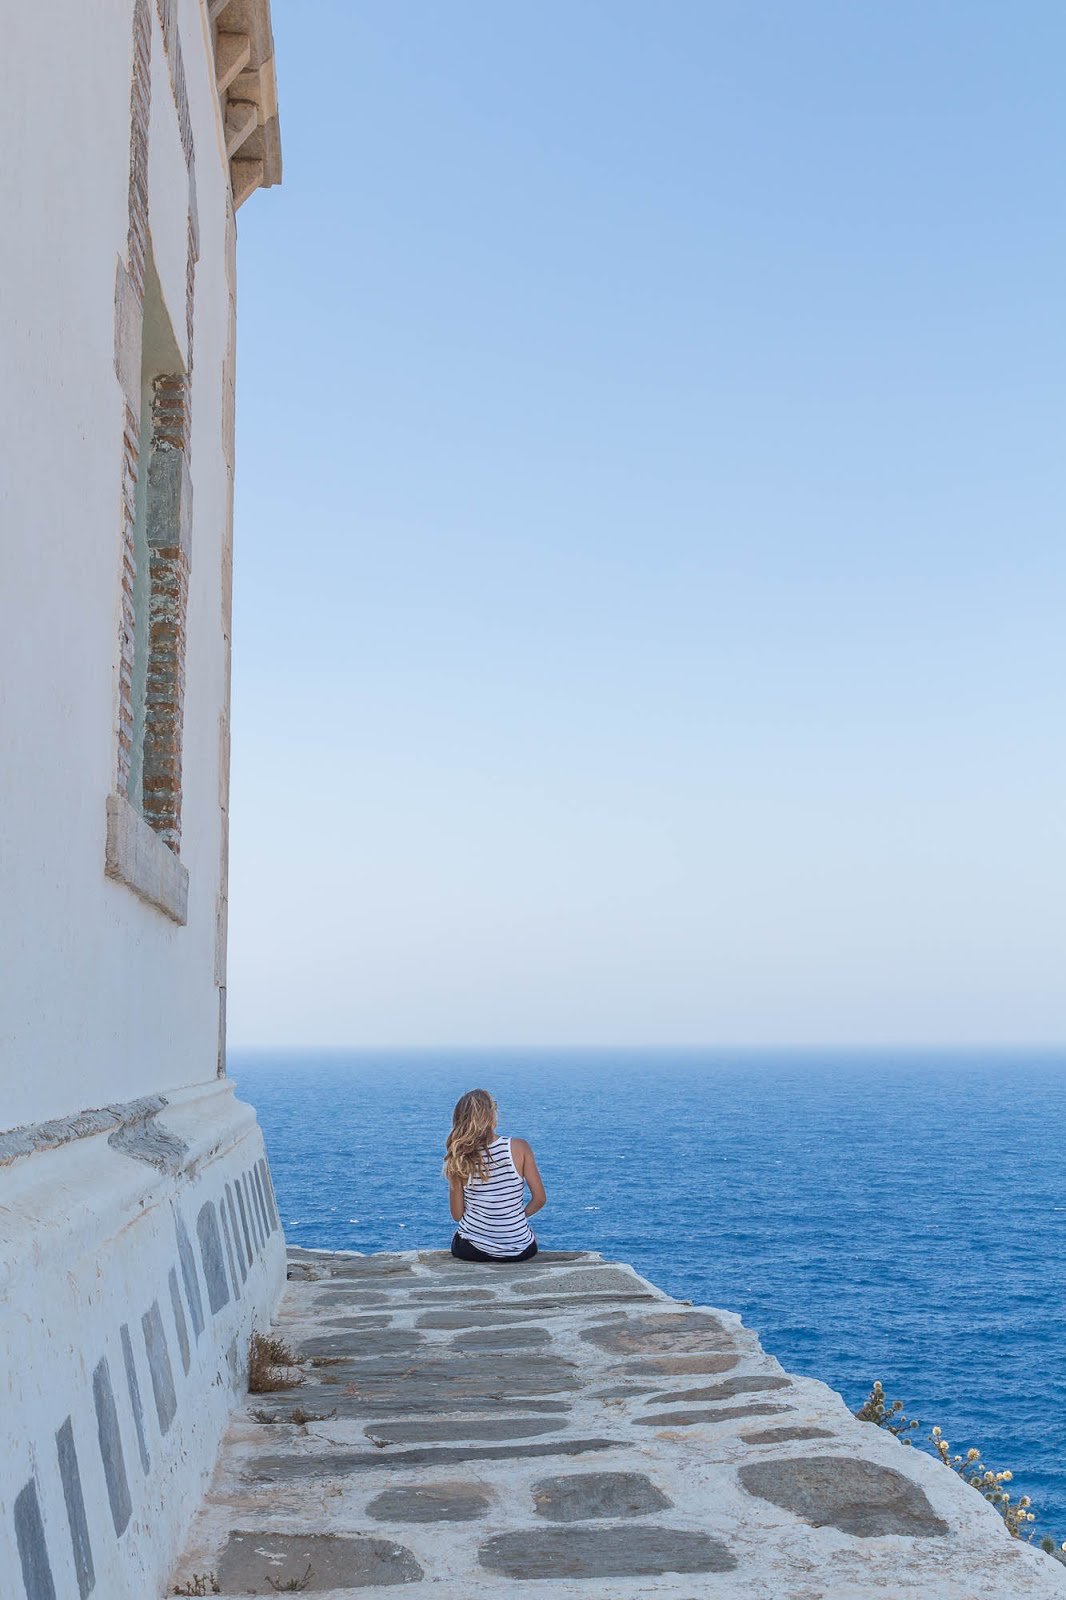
(291, 1585)
(270, 1364)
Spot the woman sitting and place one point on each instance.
(487, 1178)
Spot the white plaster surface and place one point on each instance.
(103, 997)
(87, 1242)
(779, 1556)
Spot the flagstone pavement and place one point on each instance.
(563, 1428)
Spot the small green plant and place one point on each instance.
(201, 1583)
(291, 1585)
(270, 1363)
(878, 1410)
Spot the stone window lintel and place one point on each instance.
(137, 857)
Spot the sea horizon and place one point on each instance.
(243, 1052)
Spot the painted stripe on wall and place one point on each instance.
(33, 1550)
(256, 1230)
(75, 1502)
(244, 1218)
(211, 1256)
(134, 1387)
(268, 1185)
(260, 1203)
(189, 1275)
(118, 1489)
(179, 1318)
(233, 1273)
(155, 1344)
(236, 1234)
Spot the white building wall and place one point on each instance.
(104, 997)
(106, 1001)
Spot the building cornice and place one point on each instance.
(248, 92)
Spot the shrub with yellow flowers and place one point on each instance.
(877, 1409)
(1017, 1514)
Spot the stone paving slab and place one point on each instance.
(371, 1320)
(707, 1414)
(438, 1430)
(412, 1399)
(368, 1343)
(316, 1563)
(522, 1338)
(859, 1497)
(584, 1496)
(464, 1296)
(641, 1552)
(620, 1456)
(343, 1463)
(478, 1317)
(431, 1502)
(784, 1435)
(752, 1383)
(349, 1295)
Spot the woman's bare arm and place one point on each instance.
(526, 1163)
(455, 1199)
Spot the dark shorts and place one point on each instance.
(463, 1250)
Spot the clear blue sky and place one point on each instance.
(650, 573)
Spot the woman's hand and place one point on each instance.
(526, 1165)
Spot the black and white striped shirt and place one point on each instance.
(494, 1217)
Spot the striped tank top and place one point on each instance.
(494, 1217)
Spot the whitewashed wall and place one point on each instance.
(103, 997)
(138, 1247)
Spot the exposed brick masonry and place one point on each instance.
(169, 566)
(130, 452)
(169, 578)
(170, 413)
(168, 562)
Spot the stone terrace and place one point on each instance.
(563, 1428)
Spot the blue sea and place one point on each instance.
(899, 1216)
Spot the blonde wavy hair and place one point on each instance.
(473, 1128)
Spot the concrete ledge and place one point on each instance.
(138, 858)
(129, 1296)
(130, 1127)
